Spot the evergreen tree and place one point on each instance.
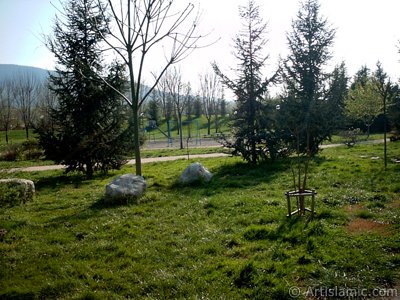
(89, 125)
(304, 110)
(250, 135)
(337, 93)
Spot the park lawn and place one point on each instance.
(228, 239)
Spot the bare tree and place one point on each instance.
(47, 102)
(140, 28)
(25, 90)
(162, 91)
(210, 85)
(179, 94)
(6, 106)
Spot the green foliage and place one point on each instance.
(89, 127)
(305, 112)
(251, 131)
(363, 103)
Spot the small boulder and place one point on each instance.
(195, 172)
(125, 187)
(15, 191)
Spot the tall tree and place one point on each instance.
(250, 86)
(304, 112)
(88, 132)
(141, 27)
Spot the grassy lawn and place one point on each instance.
(229, 239)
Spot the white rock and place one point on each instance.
(124, 187)
(27, 187)
(195, 172)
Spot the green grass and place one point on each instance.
(228, 239)
(197, 126)
(336, 139)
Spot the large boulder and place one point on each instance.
(195, 172)
(125, 187)
(14, 191)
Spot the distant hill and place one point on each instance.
(11, 71)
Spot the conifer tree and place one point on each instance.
(304, 110)
(89, 131)
(250, 135)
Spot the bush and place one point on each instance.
(350, 137)
(28, 150)
(11, 153)
(31, 150)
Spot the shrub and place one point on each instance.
(31, 150)
(350, 137)
(11, 153)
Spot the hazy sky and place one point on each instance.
(367, 31)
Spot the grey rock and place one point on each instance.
(125, 187)
(195, 172)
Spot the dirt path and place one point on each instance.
(130, 162)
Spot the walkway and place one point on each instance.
(130, 162)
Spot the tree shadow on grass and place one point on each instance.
(75, 180)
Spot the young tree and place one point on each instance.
(305, 107)
(88, 132)
(141, 27)
(249, 87)
(304, 111)
(386, 91)
(363, 101)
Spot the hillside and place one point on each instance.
(11, 71)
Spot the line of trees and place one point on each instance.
(85, 95)
(24, 99)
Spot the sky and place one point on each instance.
(366, 31)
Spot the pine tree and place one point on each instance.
(304, 110)
(89, 131)
(250, 86)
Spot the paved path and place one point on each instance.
(160, 159)
(130, 162)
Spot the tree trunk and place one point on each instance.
(136, 140)
(7, 135)
(89, 169)
(180, 130)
